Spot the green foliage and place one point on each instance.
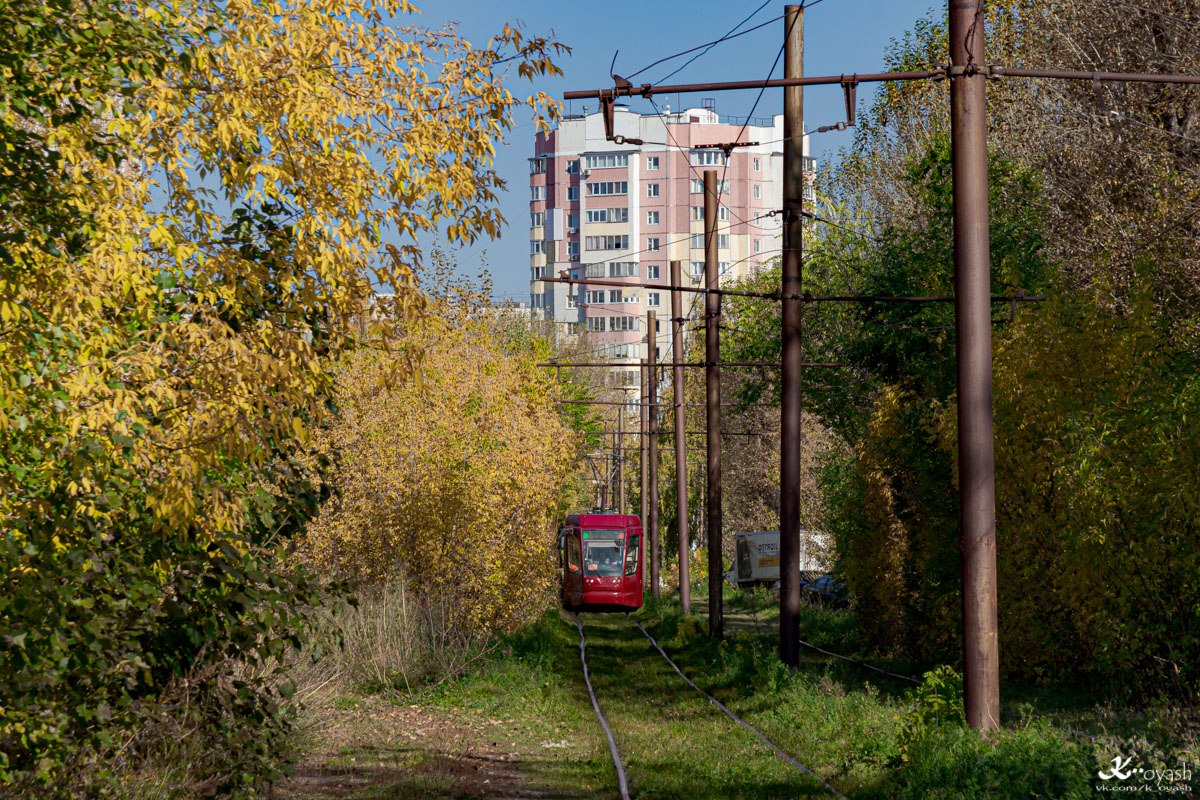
(107, 638)
(64, 63)
(955, 763)
(937, 701)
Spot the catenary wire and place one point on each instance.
(724, 38)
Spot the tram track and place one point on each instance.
(622, 780)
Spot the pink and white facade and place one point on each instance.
(624, 212)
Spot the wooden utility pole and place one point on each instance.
(652, 509)
(681, 488)
(712, 357)
(621, 507)
(642, 444)
(973, 321)
(790, 465)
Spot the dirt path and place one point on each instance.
(371, 748)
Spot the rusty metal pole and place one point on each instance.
(652, 509)
(973, 320)
(681, 488)
(790, 402)
(621, 507)
(642, 445)
(712, 358)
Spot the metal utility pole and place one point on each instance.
(621, 508)
(973, 321)
(652, 509)
(642, 445)
(790, 403)
(712, 357)
(681, 489)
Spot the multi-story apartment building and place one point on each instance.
(623, 212)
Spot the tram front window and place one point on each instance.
(603, 552)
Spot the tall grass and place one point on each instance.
(388, 640)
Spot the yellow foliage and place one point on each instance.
(187, 339)
(451, 477)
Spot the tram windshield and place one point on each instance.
(603, 553)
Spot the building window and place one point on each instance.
(758, 165)
(607, 161)
(573, 251)
(758, 245)
(623, 269)
(758, 191)
(697, 213)
(573, 222)
(697, 269)
(537, 219)
(698, 186)
(623, 323)
(537, 246)
(708, 158)
(572, 194)
(652, 273)
(722, 241)
(652, 244)
(652, 299)
(596, 324)
(607, 243)
(651, 217)
(591, 297)
(607, 187)
(652, 163)
(723, 267)
(651, 190)
(537, 166)
(809, 194)
(573, 167)
(614, 295)
(537, 193)
(697, 241)
(594, 271)
(607, 215)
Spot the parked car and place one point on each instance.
(825, 591)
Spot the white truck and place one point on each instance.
(756, 557)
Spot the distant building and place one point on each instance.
(623, 212)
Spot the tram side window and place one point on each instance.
(631, 554)
(573, 559)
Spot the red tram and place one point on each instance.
(601, 560)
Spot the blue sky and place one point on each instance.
(841, 36)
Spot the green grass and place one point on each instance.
(840, 721)
(855, 728)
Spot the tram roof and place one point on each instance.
(604, 520)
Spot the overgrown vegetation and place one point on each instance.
(1095, 391)
(190, 229)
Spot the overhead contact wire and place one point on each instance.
(782, 755)
(622, 782)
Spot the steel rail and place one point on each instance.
(771, 745)
(622, 782)
(880, 670)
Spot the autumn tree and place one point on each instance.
(450, 479)
(238, 193)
